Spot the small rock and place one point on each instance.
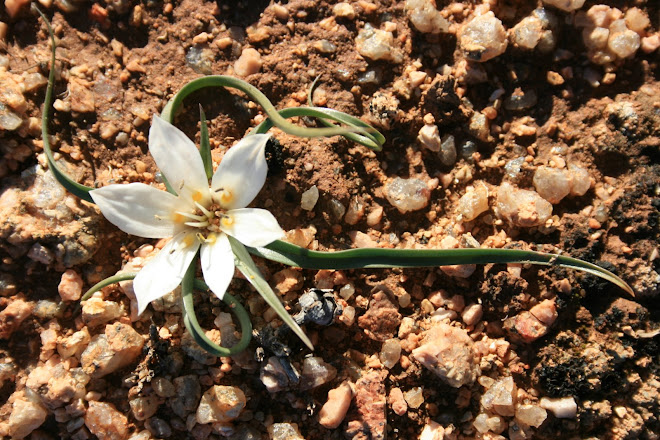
(355, 211)
(397, 401)
(501, 397)
(220, 404)
(144, 407)
(530, 415)
(274, 376)
(565, 5)
(337, 209)
(188, 392)
(521, 207)
(521, 100)
(407, 194)
(26, 416)
(561, 407)
(414, 397)
(335, 408)
(472, 314)
(381, 319)
(545, 311)
(287, 280)
(158, 427)
(579, 179)
(301, 237)
(361, 240)
(552, 184)
(9, 120)
(70, 287)
(473, 202)
(34, 81)
(447, 153)
(284, 431)
(13, 315)
(163, 387)
(316, 372)
(11, 92)
(309, 198)
(377, 45)
(81, 96)
(369, 421)
(193, 350)
(525, 326)
(343, 10)
(425, 17)
(429, 137)
(200, 59)
(96, 311)
(14, 7)
(479, 127)
(248, 63)
(105, 422)
(375, 215)
(433, 431)
(390, 352)
(118, 347)
(483, 38)
(448, 352)
(74, 345)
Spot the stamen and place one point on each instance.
(203, 224)
(206, 212)
(227, 221)
(226, 196)
(188, 240)
(191, 216)
(211, 239)
(196, 196)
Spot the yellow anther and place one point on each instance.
(211, 239)
(178, 218)
(226, 196)
(227, 221)
(188, 240)
(197, 196)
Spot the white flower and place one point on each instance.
(198, 216)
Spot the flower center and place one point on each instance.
(207, 221)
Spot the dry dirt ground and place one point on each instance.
(119, 61)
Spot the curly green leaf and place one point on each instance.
(256, 95)
(72, 186)
(292, 255)
(190, 319)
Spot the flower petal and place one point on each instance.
(217, 261)
(241, 173)
(178, 159)
(164, 273)
(252, 226)
(138, 209)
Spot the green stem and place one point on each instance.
(122, 276)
